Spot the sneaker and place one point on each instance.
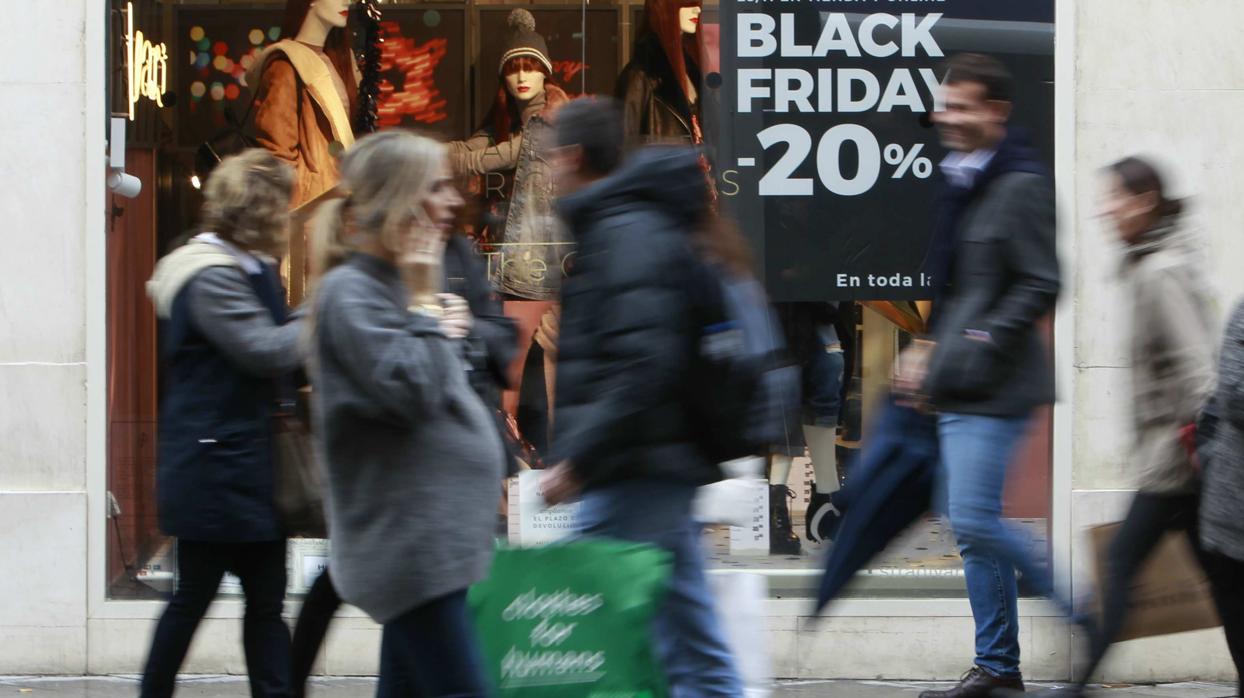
(782, 537)
(823, 518)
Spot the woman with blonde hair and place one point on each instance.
(230, 353)
(411, 450)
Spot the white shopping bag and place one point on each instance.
(538, 523)
(741, 501)
(730, 502)
(740, 599)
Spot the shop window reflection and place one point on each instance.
(437, 75)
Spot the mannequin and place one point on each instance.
(817, 334)
(307, 92)
(508, 153)
(660, 87)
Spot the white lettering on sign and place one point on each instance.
(147, 64)
(785, 90)
(756, 40)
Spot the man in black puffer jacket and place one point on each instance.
(623, 432)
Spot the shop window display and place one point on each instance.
(488, 80)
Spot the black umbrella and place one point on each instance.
(891, 488)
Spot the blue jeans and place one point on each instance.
(688, 638)
(822, 385)
(432, 651)
(976, 452)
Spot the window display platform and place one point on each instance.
(924, 562)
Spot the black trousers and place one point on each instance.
(1226, 578)
(1147, 521)
(265, 637)
(318, 608)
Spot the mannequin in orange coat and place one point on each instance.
(308, 93)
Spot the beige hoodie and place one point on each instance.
(177, 268)
(1173, 342)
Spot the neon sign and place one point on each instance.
(147, 65)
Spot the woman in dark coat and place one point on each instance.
(230, 353)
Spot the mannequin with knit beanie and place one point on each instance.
(521, 232)
(507, 152)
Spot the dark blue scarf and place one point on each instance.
(1014, 154)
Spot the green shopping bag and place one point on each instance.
(572, 620)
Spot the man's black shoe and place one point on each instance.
(977, 683)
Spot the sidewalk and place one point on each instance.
(235, 687)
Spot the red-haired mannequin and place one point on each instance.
(660, 87)
(307, 86)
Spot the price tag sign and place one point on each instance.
(826, 152)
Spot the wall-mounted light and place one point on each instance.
(196, 182)
(118, 181)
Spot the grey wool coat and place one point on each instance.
(1173, 337)
(413, 457)
(1222, 494)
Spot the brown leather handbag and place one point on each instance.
(299, 478)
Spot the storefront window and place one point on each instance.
(826, 162)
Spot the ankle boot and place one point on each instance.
(782, 537)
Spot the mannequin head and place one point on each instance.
(315, 18)
(505, 117)
(689, 18)
(524, 78)
(331, 14)
(669, 21)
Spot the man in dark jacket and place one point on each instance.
(986, 367)
(622, 428)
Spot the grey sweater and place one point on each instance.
(1222, 494)
(414, 458)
